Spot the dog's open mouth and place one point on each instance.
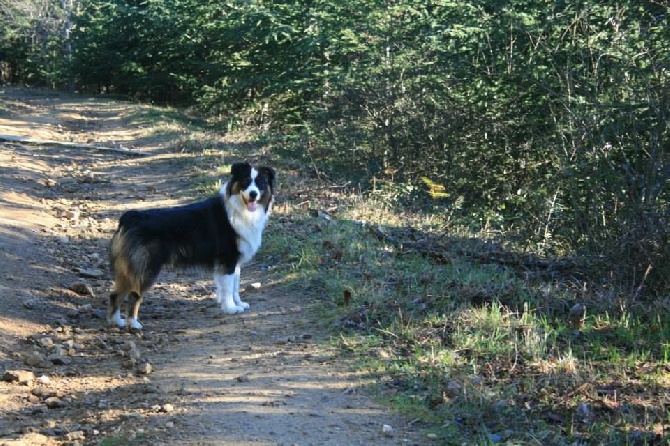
(251, 205)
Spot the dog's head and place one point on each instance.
(253, 185)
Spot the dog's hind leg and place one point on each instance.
(236, 290)
(132, 318)
(114, 309)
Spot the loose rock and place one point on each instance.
(75, 435)
(46, 342)
(43, 379)
(91, 273)
(81, 288)
(43, 392)
(19, 376)
(144, 368)
(53, 402)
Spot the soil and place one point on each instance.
(193, 376)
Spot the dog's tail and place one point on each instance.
(129, 258)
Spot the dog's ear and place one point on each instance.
(238, 169)
(269, 173)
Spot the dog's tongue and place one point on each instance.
(251, 206)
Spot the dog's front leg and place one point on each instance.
(225, 290)
(236, 290)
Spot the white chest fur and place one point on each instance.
(249, 236)
(248, 225)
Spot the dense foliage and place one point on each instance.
(544, 119)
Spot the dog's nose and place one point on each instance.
(253, 195)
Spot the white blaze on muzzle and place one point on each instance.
(246, 194)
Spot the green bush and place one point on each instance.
(549, 120)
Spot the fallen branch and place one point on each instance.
(76, 145)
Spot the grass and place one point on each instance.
(473, 350)
(465, 334)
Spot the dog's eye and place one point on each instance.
(261, 182)
(245, 183)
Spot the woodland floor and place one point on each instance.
(193, 376)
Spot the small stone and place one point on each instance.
(59, 357)
(38, 410)
(72, 214)
(19, 376)
(91, 273)
(129, 364)
(45, 364)
(43, 379)
(167, 408)
(53, 402)
(75, 436)
(431, 436)
(151, 389)
(144, 368)
(33, 358)
(387, 430)
(169, 425)
(46, 342)
(43, 392)
(242, 379)
(81, 288)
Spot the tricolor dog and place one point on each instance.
(219, 234)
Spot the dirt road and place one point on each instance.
(194, 376)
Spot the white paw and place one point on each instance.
(232, 309)
(117, 320)
(135, 324)
(244, 305)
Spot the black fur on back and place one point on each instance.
(196, 235)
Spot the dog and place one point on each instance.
(219, 234)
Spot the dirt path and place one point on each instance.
(194, 376)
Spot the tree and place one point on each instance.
(34, 40)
